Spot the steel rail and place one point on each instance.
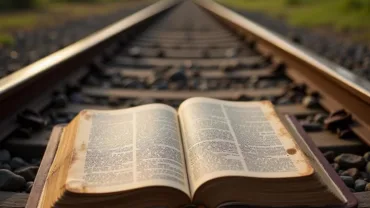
(340, 89)
(19, 88)
(353, 82)
(17, 78)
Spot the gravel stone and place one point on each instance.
(329, 155)
(335, 166)
(28, 172)
(360, 185)
(17, 162)
(178, 75)
(365, 176)
(134, 52)
(5, 166)
(319, 118)
(4, 156)
(348, 180)
(10, 181)
(24, 133)
(310, 102)
(368, 167)
(35, 161)
(345, 133)
(367, 187)
(367, 156)
(350, 161)
(311, 127)
(29, 186)
(60, 101)
(353, 172)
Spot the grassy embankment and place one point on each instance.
(350, 18)
(28, 14)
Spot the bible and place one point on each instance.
(209, 152)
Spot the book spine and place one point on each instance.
(352, 201)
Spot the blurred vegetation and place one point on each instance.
(6, 5)
(88, 1)
(6, 40)
(28, 14)
(337, 15)
(22, 4)
(356, 5)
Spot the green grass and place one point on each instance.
(50, 12)
(18, 20)
(56, 13)
(337, 15)
(87, 1)
(273, 6)
(6, 5)
(6, 39)
(81, 9)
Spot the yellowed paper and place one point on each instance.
(128, 149)
(223, 138)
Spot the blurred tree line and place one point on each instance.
(21, 4)
(349, 5)
(363, 5)
(26, 4)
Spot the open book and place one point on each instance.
(210, 153)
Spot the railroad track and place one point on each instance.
(166, 53)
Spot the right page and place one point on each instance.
(223, 138)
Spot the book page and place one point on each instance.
(128, 149)
(223, 138)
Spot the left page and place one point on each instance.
(128, 149)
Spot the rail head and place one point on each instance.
(356, 84)
(14, 80)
